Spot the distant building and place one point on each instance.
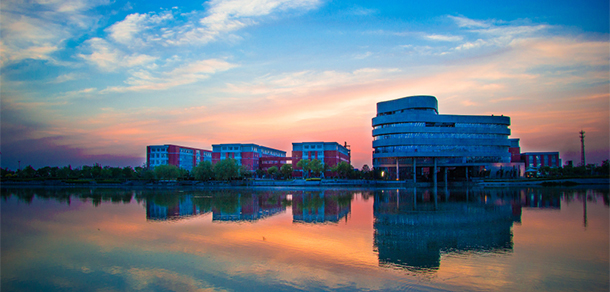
(539, 159)
(330, 153)
(180, 156)
(515, 150)
(246, 154)
(410, 137)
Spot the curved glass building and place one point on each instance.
(409, 134)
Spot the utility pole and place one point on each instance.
(583, 161)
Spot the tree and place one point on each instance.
(304, 165)
(28, 172)
(272, 171)
(226, 169)
(286, 171)
(128, 172)
(203, 171)
(167, 171)
(106, 172)
(65, 172)
(343, 169)
(244, 171)
(316, 166)
(259, 173)
(44, 172)
(604, 168)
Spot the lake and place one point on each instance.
(462, 239)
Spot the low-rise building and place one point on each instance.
(329, 153)
(246, 154)
(180, 156)
(540, 159)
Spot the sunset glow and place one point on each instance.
(88, 82)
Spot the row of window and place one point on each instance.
(158, 149)
(439, 136)
(440, 148)
(439, 160)
(549, 160)
(406, 110)
(158, 162)
(441, 125)
(231, 148)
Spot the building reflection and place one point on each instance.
(173, 207)
(224, 206)
(414, 227)
(320, 206)
(250, 207)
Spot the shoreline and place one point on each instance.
(568, 183)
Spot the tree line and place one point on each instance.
(226, 169)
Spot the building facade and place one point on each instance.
(539, 159)
(180, 156)
(515, 150)
(330, 153)
(409, 134)
(245, 154)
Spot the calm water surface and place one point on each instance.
(509, 239)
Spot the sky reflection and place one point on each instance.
(462, 239)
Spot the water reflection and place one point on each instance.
(224, 205)
(412, 228)
(250, 207)
(116, 239)
(321, 206)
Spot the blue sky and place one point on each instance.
(97, 81)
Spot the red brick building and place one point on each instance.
(250, 155)
(180, 156)
(330, 153)
(540, 159)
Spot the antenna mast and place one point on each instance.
(583, 161)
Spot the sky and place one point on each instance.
(86, 82)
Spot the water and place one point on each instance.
(509, 239)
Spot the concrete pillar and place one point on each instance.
(397, 170)
(434, 172)
(414, 170)
(445, 176)
(466, 173)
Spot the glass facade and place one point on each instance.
(439, 136)
(424, 134)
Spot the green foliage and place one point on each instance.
(167, 172)
(106, 172)
(272, 171)
(28, 171)
(128, 172)
(244, 172)
(365, 168)
(304, 165)
(226, 169)
(286, 171)
(343, 169)
(204, 171)
(316, 166)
